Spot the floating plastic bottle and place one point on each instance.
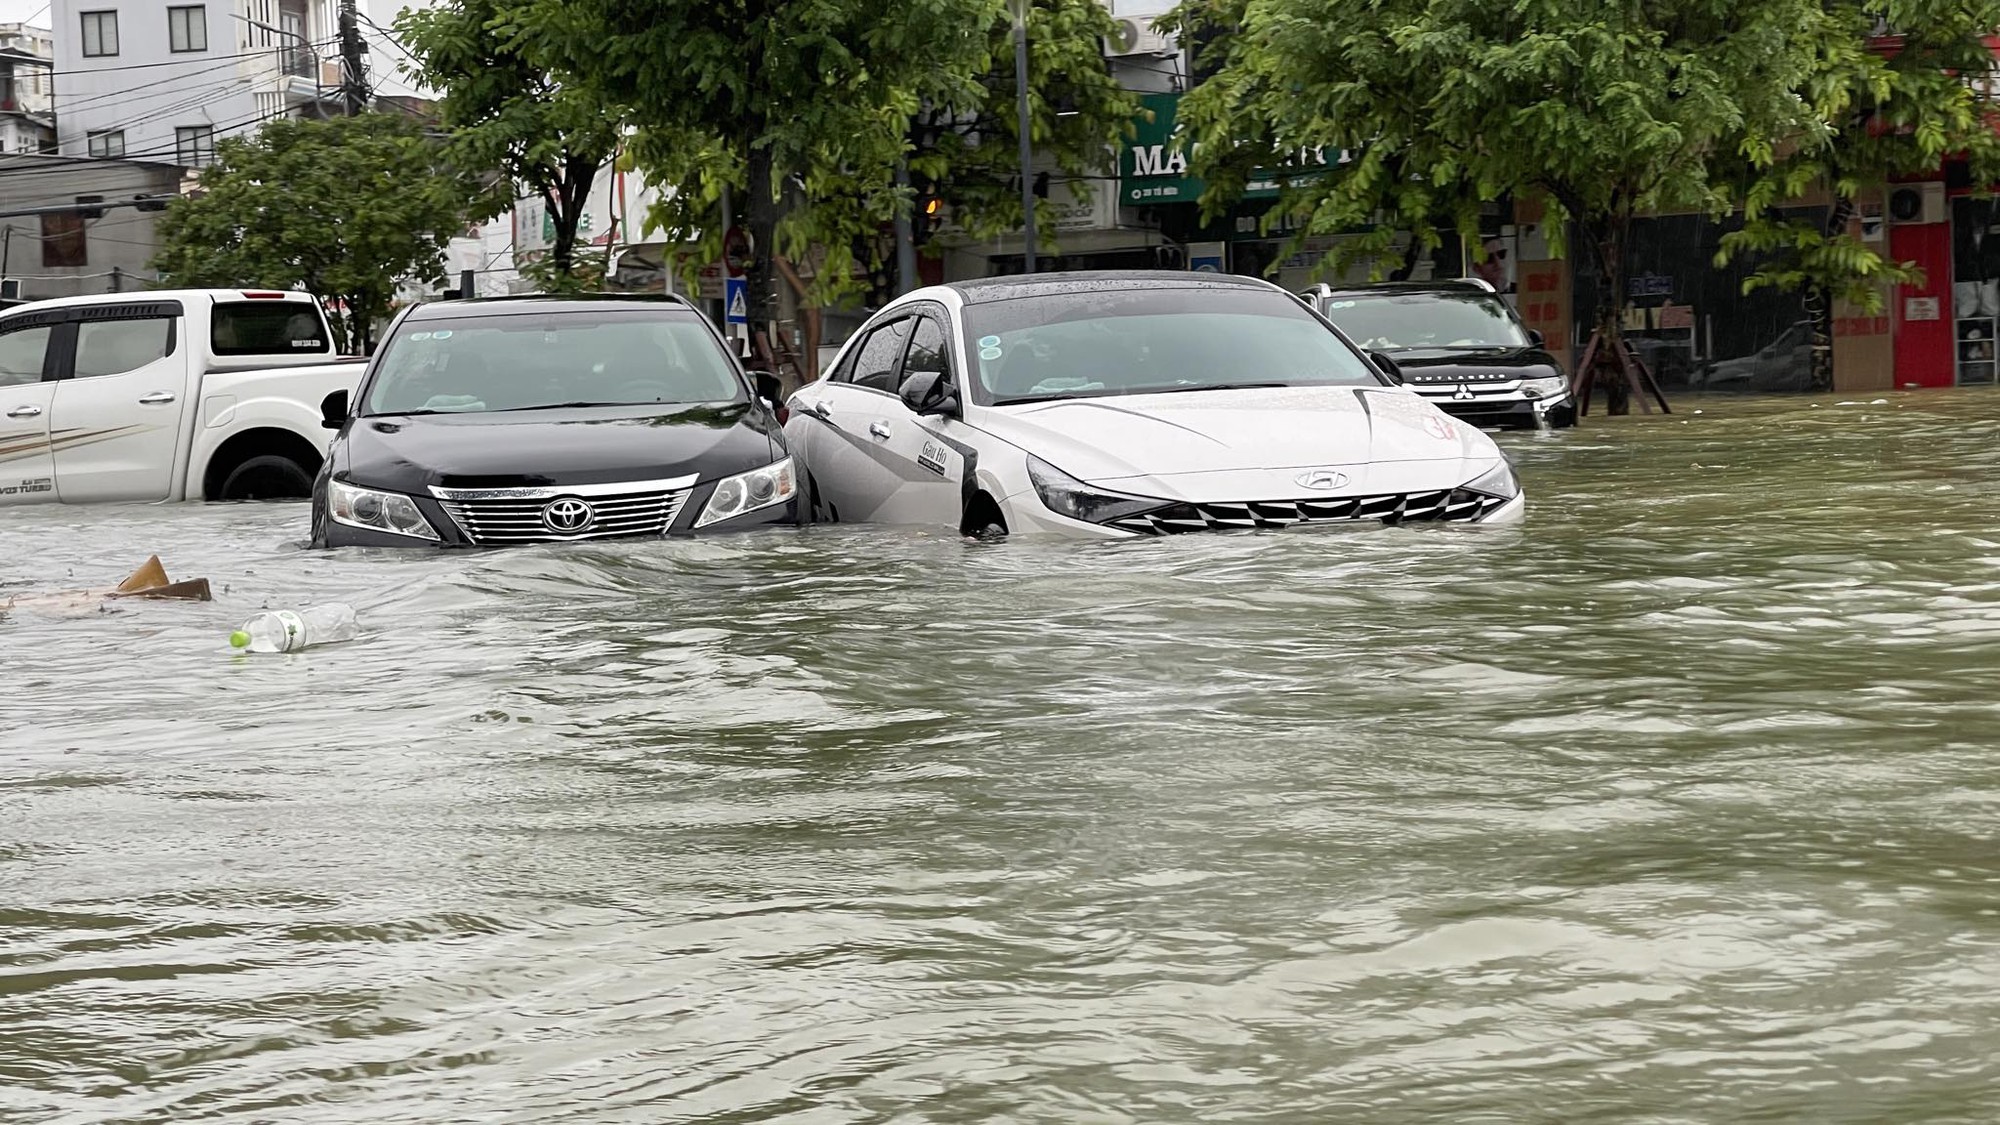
(285, 631)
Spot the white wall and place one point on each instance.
(147, 91)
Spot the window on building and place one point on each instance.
(187, 29)
(100, 34)
(62, 240)
(109, 143)
(194, 145)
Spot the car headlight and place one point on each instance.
(749, 492)
(1544, 388)
(1067, 496)
(1496, 481)
(366, 508)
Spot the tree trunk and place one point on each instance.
(762, 224)
(566, 209)
(1608, 239)
(1819, 308)
(562, 252)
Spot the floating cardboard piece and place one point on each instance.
(150, 581)
(150, 576)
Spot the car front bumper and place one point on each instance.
(1556, 411)
(328, 534)
(1026, 514)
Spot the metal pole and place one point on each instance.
(352, 91)
(728, 220)
(906, 239)
(1027, 142)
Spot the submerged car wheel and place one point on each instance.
(271, 476)
(983, 519)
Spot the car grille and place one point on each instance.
(522, 515)
(1451, 505)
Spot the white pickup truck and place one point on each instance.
(185, 394)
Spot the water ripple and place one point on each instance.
(1676, 804)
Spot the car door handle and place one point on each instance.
(25, 412)
(879, 429)
(157, 398)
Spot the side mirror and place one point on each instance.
(769, 386)
(333, 410)
(927, 393)
(1387, 366)
(1536, 338)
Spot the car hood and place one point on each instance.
(583, 445)
(1249, 443)
(1423, 366)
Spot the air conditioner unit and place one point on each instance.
(1916, 203)
(1137, 37)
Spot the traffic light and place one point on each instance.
(928, 216)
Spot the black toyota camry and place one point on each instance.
(1457, 344)
(537, 420)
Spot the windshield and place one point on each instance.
(1122, 341)
(524, 361)
(1399, 321)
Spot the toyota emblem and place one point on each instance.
(567, 515)
(1321, 480)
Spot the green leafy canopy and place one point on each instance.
(509, 115)
(1603, 110)
(803, 109)
(341, 208)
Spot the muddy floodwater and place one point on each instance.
(1679, 803)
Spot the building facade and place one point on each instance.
(162, 80)
(27, 119)
(82, 249)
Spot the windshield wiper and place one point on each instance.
(574, 405)
(1211, 387)
(1048, 398)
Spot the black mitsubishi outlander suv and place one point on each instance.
(1457, 344)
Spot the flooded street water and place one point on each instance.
(1677, 804)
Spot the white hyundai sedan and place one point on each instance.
(1122, 404)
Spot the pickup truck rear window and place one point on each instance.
(268, 328)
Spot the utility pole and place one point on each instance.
(1027, 142)
(906, 237)
(352, 90)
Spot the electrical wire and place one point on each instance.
(217, 131)
(388, 37)
(128, 91)
(173, 62)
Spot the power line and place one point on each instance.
(215, 131)
(172, 62)
(389, 37)
(116, 95)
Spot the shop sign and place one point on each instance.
(1153, 165)
(1066, 209)
(1649, 285)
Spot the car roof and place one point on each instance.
(530, 303)
(1447, 286)
(42, 304)
(985, 289)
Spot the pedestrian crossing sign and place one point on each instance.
(736, 301)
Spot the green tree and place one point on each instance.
(1603, 110)
(510, 115)
(804, 109)
(1896, 105)
(970, 149)
(341, 208)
